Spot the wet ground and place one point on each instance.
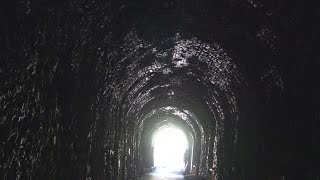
(167, 174)
(161, 174)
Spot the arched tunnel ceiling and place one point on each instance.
(184, 73)
(81, 79)
(187, 73)
(155, 119)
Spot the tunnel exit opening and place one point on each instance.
(170, 149)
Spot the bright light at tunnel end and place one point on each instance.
(170, 145)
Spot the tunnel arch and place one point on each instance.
(181, 72)
(80, 81)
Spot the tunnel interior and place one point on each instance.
(86, 86)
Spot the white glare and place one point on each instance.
(170, 145)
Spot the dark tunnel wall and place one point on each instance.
(82, 81)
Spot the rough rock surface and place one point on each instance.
(82, 83)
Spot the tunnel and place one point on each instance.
(118, 89)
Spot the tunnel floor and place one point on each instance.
(162, 173)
